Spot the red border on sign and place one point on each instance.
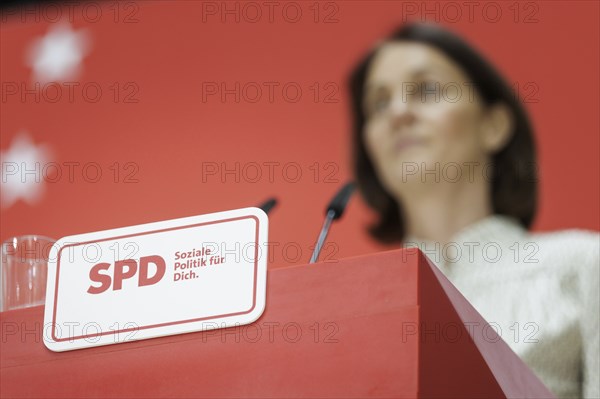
(161, 324)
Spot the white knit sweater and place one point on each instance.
(540, 291)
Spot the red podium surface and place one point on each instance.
(382, 325)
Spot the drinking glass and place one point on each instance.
(23, 271)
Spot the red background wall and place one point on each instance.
(171, 132)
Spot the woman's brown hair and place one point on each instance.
(514, 169)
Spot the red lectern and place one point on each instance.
(383, 325)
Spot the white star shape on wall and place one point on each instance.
(57, 56)
(23, 168)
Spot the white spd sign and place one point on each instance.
(171, 277)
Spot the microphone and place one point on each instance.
(334, 211)
(268, 205)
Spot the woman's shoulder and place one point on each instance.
(568, 235)
(568, 243)
(573, 254)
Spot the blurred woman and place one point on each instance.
(444, 153)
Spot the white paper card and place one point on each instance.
(156, 279)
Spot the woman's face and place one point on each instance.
(423, 117)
